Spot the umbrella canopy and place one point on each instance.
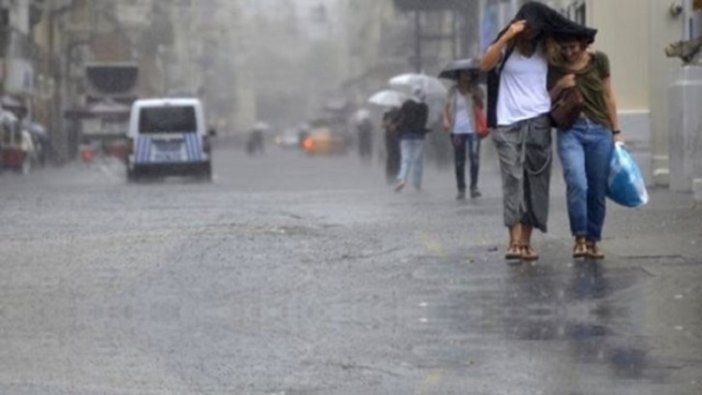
(361, 115)
(11, 102)
(430, 86)
(37, 128)
(452, 70)
(388, 98)
(261, 126)
(7, 117)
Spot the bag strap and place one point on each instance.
(493, 86)
(503, 62)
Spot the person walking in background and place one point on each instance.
(459, 120)
(585, 148)
(413, 128)
(392, 144)
(255, 142)
(364, 129)
(518, 107)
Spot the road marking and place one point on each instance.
(432, 378)
(107, 172)
(432, 245)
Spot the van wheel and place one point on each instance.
(132, 175)
(205, 173)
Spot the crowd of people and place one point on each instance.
(539, 61)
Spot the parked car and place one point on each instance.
(326, 138)
(289, 139)
(168, 137)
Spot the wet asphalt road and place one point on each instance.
(295, 275)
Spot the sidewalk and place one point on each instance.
(663, 241)
(669, 226)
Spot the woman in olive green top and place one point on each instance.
(586, 147)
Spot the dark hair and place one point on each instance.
(566, 38)
(473, 74)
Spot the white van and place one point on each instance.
(168, 136)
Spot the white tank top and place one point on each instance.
(523, 94)
(463, 123)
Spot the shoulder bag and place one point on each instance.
(566, 109)
(481, 124)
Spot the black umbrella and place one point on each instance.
(453, 69)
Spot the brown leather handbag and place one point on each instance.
(481, 124)
(566, 109)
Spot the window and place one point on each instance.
(176, 119)
(577, 11)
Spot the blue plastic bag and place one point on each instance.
(626, 186)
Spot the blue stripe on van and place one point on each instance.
(139, 150)
(192, 154)
(198, 147)
(192, 142)
(193, 148)
(147, 149)
(143, 154)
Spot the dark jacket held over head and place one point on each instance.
(549, 23)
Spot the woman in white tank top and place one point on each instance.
(518, 106)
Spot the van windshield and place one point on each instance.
(172, 119)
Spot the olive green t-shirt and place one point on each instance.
(589, 81)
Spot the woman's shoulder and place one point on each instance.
(599, 56)
(601, 61)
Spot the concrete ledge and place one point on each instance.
(697, 189)
(685, 120)
(636, 127)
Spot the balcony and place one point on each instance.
(15, 44)
(430, 5)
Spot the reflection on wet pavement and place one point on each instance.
(583, 315)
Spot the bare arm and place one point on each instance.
(494, 52)
(446, 117)
(566, 81)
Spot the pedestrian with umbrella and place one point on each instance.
(412, 125)
(391, 100)
(464, 100)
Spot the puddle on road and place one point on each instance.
(586, 315)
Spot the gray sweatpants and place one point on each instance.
(525, 153)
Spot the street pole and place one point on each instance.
(417, 42)
(57, 127)
(685, 122)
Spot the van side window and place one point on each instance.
(175, 119)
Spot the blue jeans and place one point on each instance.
(412, 159)
(472, 142)
(585, 151)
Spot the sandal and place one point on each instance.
(580, 249)
(529, 254)
(399, 186)
(594, 252)
(514, 251)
